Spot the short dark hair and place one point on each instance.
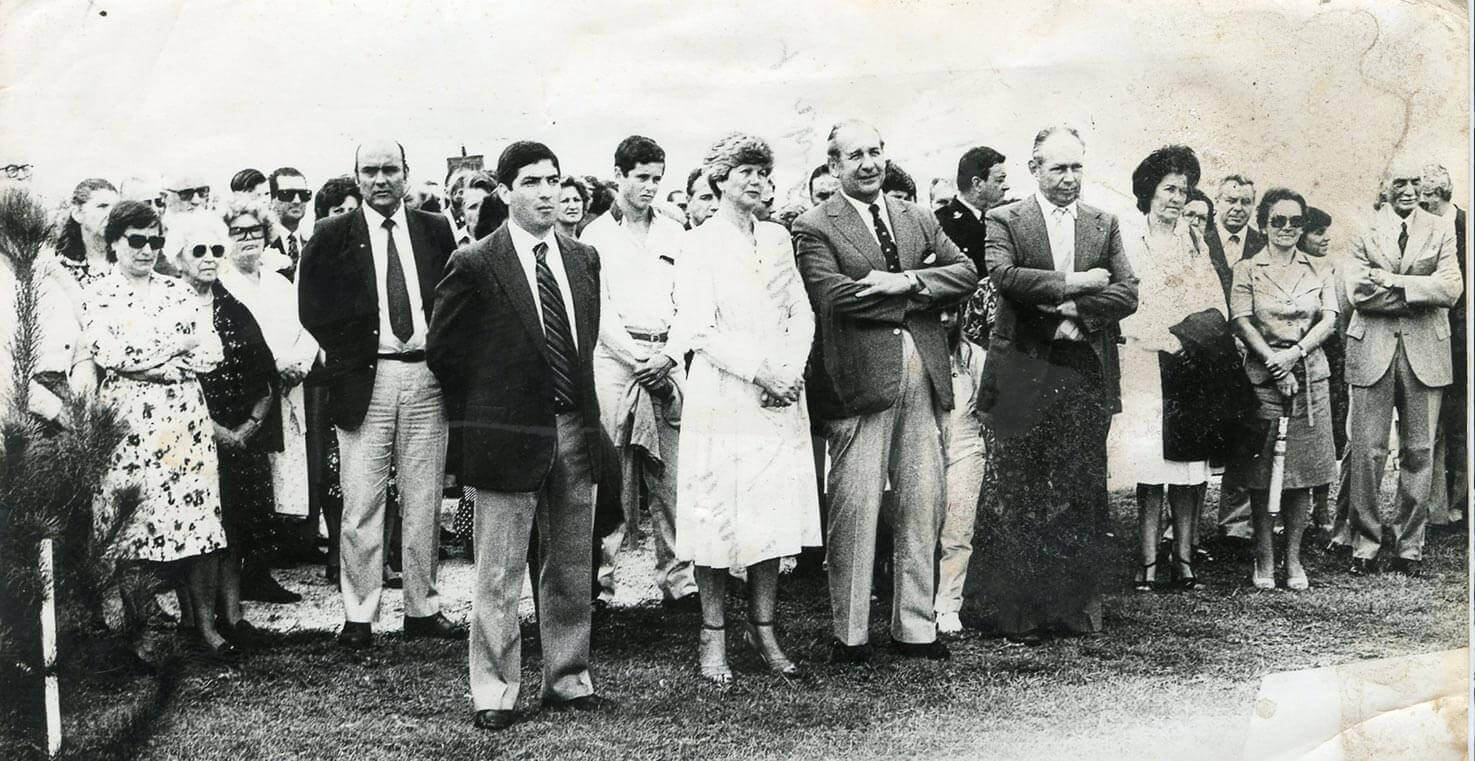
(70, 243)
(635, 150)
(125, 216)
(520, 154)
(246, 179)
(1194, 194)
(897, 178)
(691, 181)
(976, 162)
(1316, 220)
(333, 193)
(1272, 197)
(285, 171)
(823, 170)
(1169, 159)
(482, 181)
(672, 193)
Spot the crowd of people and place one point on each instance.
(884, 393)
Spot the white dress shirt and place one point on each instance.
(1234, 243)
(639, 277)
(389, 343)
(864, 210)
(523, 243)
(1060, 226)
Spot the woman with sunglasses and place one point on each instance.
(272, 301)
(241, 395)
(151, 340)
(1284, 307)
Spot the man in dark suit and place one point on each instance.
(1050, 387)
(982, 184)
(289, 197)
(1450, 493)
(879, 271)
(512, 341)
(1231, 238)
(366, 292)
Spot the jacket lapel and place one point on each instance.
(1032, 231)
(581, 290)
(1089, 236)
(844, 217)
(508, 270)
(909, 244)
(363, 258)
(425, 266)
(1418, 237)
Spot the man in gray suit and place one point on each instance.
(1402, 280)
(879, 271)
(1050, 386)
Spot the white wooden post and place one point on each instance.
(48, 651)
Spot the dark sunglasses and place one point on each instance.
(135, 242)
(188, 194)
(199, 251)
(248, 233)
(287, 196)
(1280, 220)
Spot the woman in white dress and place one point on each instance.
(1177, 280)
(746, 476)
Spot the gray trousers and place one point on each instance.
(903, 444)
(564, 512)
(1369, 417)
(406, 419)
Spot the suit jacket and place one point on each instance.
(965, 230)
(1254, 241)
(1426, 281)
(338, 300)
(1457, 312)
(860, 338)
(488, 350)
(1023, 270)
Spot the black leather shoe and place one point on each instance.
(436, 626)
(843, 653)
(261, 587)
(493, 720)
(1363, 567)
(356, 636)
(582, 703)
(932, 651)
(242, 634)
(1407, 567)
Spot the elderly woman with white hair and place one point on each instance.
(746, 474)
(241, 393)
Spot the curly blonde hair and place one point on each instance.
(734, 150)
(241, 204)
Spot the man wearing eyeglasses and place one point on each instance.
(366, 292)
(1401, 281)
(187, 191)
(289, 197)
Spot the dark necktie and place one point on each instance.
(1234, 239)
(888, 246)
(1402, 238)
(292, 251)
(561, 354)
(398, 296)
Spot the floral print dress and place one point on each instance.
(168, 453)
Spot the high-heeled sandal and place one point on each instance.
(712, 656)
(779, 663)
(1145, 584)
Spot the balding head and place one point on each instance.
(1400, 185)
(382, 172)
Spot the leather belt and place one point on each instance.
(652, 337)
(405, 356)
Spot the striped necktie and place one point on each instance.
(562, 358)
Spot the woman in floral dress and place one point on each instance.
(151, 339)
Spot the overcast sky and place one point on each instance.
(1313, 94)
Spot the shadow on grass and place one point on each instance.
(1173, 674)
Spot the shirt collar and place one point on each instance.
(864, 209)
(1047, 207)
(1298, 256)
(977, 212)
(376, 220)
(1391, 219)
(1244, 232)
(524, 241)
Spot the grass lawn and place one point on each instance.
(1173, 677)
